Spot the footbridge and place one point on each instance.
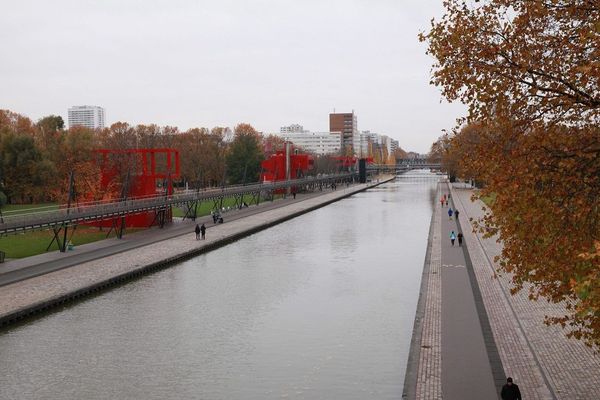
(405, 165)
(64, 216)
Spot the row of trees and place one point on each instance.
(529, 72)
(36, 158)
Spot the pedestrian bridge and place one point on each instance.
(405, 165)
(64, 216)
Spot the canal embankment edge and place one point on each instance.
(68, 295)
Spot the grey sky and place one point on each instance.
(208, 63)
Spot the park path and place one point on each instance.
(466, 369)
(452, 352)
(541, 359)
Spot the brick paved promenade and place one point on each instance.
(20, 297)
(429, 373)
(543, 362)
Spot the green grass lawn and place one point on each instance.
(26, 208)
(207, 206)
(35, 242)
(489, 200)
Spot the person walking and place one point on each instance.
(456, 214)
(442, 200)
(203, 231)
(446, 202)
(450, 212)
(452, 237)
(197, 230)
(460, 238)
(510, 391)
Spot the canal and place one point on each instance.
(321, 306)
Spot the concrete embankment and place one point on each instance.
(24, 298)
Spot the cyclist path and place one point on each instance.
(541, 359)
(466, 368)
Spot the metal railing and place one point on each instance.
(94, 211)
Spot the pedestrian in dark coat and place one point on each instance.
(510, 391)
(460, 238)
(197, 230)
(203, 231)
(456, 214)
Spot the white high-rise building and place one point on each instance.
(320, 143)
(89, 116)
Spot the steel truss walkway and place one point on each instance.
(63, 217)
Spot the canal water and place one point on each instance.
(318, 307)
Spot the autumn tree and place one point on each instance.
(77, 156)
(436, 152)
(148, 136)
(271, 144)
(324, 164)
(529, 72)
(202, 155)
(400, 153)
(244, 155)
(25, 173)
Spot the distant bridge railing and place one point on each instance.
(403, 166)
(81, 213)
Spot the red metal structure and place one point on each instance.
(348, 162)
(285, 164)
(141, 170)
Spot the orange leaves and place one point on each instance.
(530, 75)
(593, 254)
(530, 52)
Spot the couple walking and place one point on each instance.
(453, 237)
(455, 213)
(200, 230)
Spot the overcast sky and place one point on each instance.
(218, 63)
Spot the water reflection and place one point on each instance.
(321, 306)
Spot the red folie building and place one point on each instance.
(146, 167)
(285, 164)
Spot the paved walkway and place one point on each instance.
(453, 360)
(542, 361)
(466, 369)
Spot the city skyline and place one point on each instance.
(228, 63)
